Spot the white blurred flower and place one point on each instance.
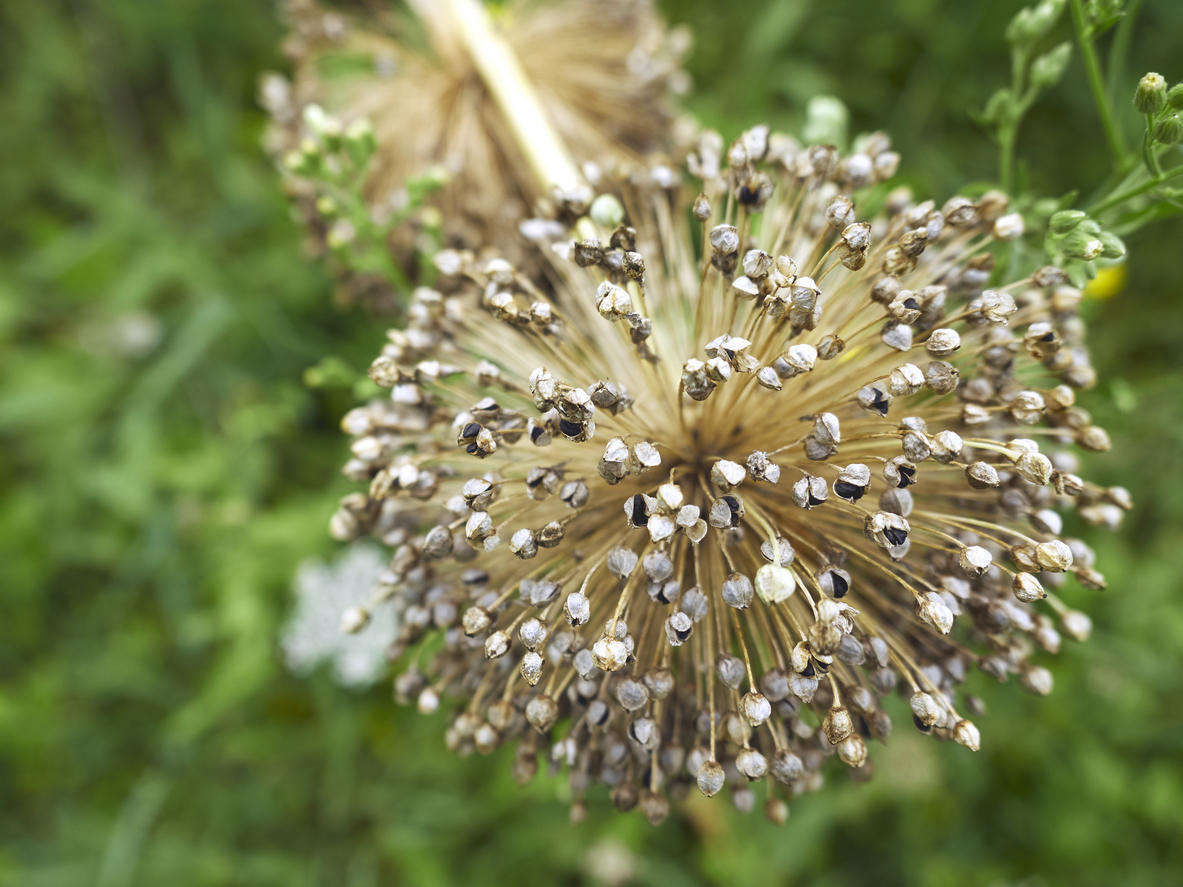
(324, 591)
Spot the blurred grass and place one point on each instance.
(165, 469)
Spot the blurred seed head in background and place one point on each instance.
(605, 74)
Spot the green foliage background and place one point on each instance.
(156, 501)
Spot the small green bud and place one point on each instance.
(1169, 130)
(1080, 272)
(1019, 28)
(427, 183)
(360, 138)
(1175, 97)
(1080, 245)
(1112, 246)
(293, 161)
(999, 108)
(305, 160)
(340, 235)
(1047, 70)
(431, 218)
(607, 212)
(1151, 94)
(326, 206)
(436, 177)
(1031, 24)
(1103, 14)
(826, 119)
(1065, 220)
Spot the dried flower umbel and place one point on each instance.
(685, 508)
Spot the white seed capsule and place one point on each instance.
(853, 751)
(1027, 588)
(531, 667)
(1076, 625)
(967, 734)
(678, 628)
(974, 560)
(942, 342)
(837, 724)
(933, 610)
(710, 778)
(496, 645)
(610, 654)
(354, 619)
(1009, 226)
(751, 763)
(925, 708)
(1034, 468)
(1036, 679)
(774, 583)
(727, 475)
(906, 379)
(542, 712)
(1053, 556)
(578, 608)
(946, 446)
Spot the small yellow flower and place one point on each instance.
(1108, 282)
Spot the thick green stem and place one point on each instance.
(1092, 67)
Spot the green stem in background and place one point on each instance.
(1120, 197)
(1148, 155)
(1119, 50)
(1092, 69)
(1008, 128)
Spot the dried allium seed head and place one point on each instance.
(597, 499)
(406, 86)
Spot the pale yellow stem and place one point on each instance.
(514, 94)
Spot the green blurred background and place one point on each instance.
(164, 468)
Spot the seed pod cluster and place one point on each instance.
(829, 473)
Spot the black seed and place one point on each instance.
(536, 433)
(471, 430)
(848, 491)
(640, 519)
(569, 429)
(472, 449)
(920, 725)
(911, 304)
(896, 536)
(907, 477)
(841, 586)
(808, 671)
(814, 501)
(880, 403)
